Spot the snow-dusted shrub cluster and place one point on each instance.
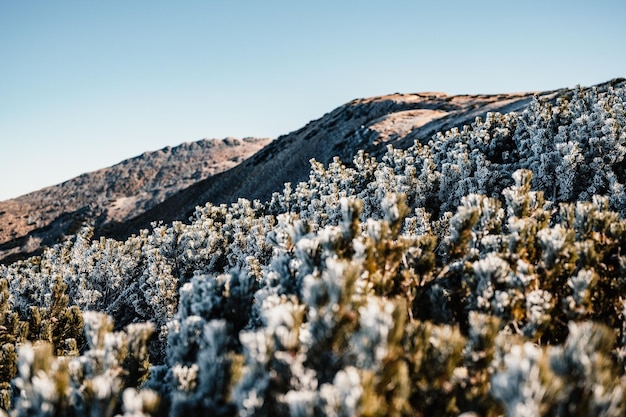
(481, 272)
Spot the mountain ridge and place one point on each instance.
(114, 193)
(368, 124)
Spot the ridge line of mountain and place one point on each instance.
(241, 168)
(114, 193)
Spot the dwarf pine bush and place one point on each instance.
(479, 271)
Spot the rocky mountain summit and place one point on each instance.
(113, 194)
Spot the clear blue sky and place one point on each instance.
(84, 84)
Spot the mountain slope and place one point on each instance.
(113, 194)
(121, 200)
(481, 273)
(367, 124)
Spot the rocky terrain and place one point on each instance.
(114, 194)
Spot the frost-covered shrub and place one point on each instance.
(91, 384)
(481, 271)
(577, 378)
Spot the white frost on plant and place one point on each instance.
(186, 377)
(343, 397)
(301, 403)
(580, 300)
(139, 403)
(538, 309)
(519, 385)
(369, 342)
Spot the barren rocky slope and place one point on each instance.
(113, 194)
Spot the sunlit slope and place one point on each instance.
(114, 194)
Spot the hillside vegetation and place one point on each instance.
(482, 272)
